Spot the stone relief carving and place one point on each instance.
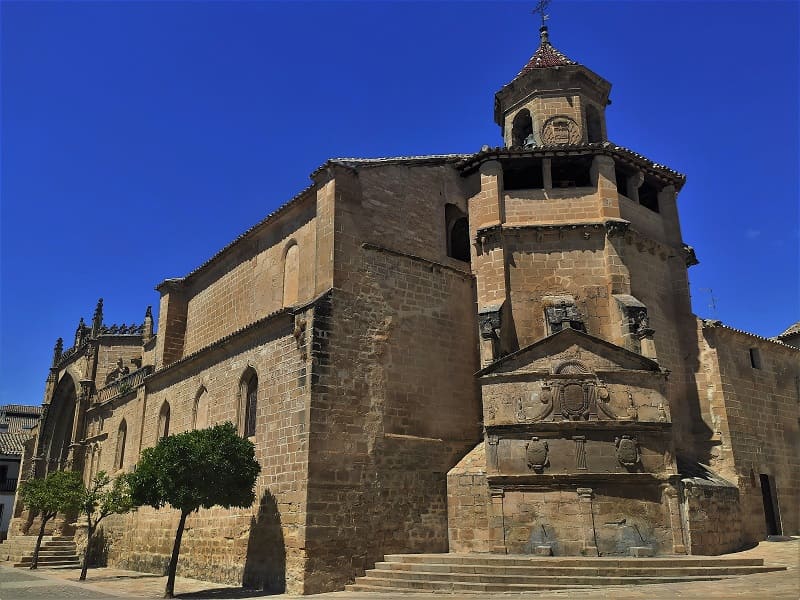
(535, 406)
(560, 130)
(537, 454)
(627, 451)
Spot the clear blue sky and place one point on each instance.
(140, 137)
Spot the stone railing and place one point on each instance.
(124, 385)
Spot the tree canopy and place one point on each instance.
(59, 492)
(192, 470)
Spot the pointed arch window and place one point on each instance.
(122, 434)
(200, 412)
(163, 420)
(457, 233)
(248, 402)
(291, 275)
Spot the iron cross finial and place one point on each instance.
(541, 7)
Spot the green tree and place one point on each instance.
(193, 470)
(59, 492)
(103, 498)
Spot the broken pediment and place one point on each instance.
(569, 352)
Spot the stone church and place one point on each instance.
(490, 353)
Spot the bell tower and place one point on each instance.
(553, 101)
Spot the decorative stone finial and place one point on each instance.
(80, 332)
(97, 319)
(58, 351)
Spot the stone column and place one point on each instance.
(547, 173)
(587, 522)
(670, 497)
(604, 178)
(497, 534)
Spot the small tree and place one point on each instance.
(59, 492)
(193, 470)
(100, 501)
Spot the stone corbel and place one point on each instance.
(689, 256)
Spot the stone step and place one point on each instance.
(386, 588)
(574, 571)
(49, 559)
(512, 586)
(570, 561)
(601, 579)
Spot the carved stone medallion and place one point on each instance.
(536, 452)
(627, 451)
(560, 130)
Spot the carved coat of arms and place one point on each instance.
(536, 452)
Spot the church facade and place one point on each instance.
(491, 352)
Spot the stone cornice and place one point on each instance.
(377, 248)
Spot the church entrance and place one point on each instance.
(770, 500)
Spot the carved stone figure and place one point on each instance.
(627, 451)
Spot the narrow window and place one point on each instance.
(200, 413)
(248, 402)
(291, 275)
(522, 129)
(122, 433)
(163, 420)
(594, 125)
(755, 358)
(457, 232)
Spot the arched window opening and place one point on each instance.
(163, 420)
(122, 434)
(248, 402)
(200, 412)
(522, 129)
(291, 276)
(457, 233)
(648, 196)
(594, 125)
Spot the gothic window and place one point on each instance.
(163, 420)
(248, 402)
(457, 233)
(594, 126)
(122, 434)
(291, 275)
(755, 358)
(522, 129)
(200, 413)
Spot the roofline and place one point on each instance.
(716, 324)
(178, 281)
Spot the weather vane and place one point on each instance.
(541, 7)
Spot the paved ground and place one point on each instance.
(62, 584)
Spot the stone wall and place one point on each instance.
(262, 545)
(754, 416)
(394, 399)
(713, 519)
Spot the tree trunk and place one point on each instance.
(173, 562)
(35, 559)
(85, 563)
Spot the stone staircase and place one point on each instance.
(56, 551)
(509, 573)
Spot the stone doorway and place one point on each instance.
(770, 500)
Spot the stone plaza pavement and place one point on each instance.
(106, 583)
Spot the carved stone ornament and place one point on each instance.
(535, 406)
(627, 451)
(577, 400)
(617, 228)
(490, 324)
(560, 130)
(536, 452)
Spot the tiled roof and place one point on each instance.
(714, 323)
(18, 417)
(791, 332)
(546, 55)
(11, 443)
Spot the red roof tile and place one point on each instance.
(546, 56)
